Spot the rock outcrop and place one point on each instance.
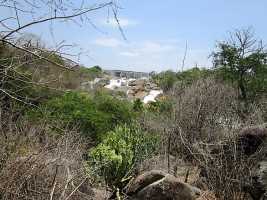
(158, 185)
(143, 89)
(251, 141)
(257, 188)
(249, 144)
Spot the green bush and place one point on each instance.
(138, 105)
(93, 115)
(52, 57)
(120, 151)
(194, 74)
(165, 80)
(161, 107)
(242, 60)
(90, 73)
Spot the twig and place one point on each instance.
(54, 184)
(76, 189)
(57, 18)
(187, 175)
(13, 97)
(185, 54)
(34, 54)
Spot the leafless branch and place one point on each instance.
(34, 54)
(57, 18)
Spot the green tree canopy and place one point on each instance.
(243, 60)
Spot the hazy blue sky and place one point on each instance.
(157, 31)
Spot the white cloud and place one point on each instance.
(108, 42)
(141, 54)
(154, 47)
(146, 48)
(124, 22)
(129, 54)
(135, 48)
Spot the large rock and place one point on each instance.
(250, 139)
(253, 141)
(140, 95)
(96, 83)
(137, 82)
(154, 86)
(151, 86)
(158, 185)
(258, 186)
(248, 145)
(132, 83)
(101, 82)
(148, 86)
(137, 88)
(140, 82)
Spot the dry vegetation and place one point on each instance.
(200, 131)
(203, 131)
(199, 144)
(35, 165)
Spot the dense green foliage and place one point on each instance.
(120, 151)
(90, 73)
(164, 106)
(138, 105)
(94, 115)
(167, 79)
(243, 62)
(194, 74)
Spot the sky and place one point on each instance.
(157, 33)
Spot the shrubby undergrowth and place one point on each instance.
(95, 115)
(101, 138)
(120, 151)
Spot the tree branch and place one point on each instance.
(57, 18)
(34, 54)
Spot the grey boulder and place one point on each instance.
(158, 185)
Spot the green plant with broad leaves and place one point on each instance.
(120, 151)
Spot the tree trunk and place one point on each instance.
(242, 88)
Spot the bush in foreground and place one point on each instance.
(120, 151)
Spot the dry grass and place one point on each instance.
(207, 195)
(36, 165)
(205, 120)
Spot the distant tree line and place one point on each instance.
(241, 61)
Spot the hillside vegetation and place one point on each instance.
(60, 142)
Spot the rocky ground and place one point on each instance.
(143, 89)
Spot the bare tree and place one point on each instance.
(241, 57)
(19, 16)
